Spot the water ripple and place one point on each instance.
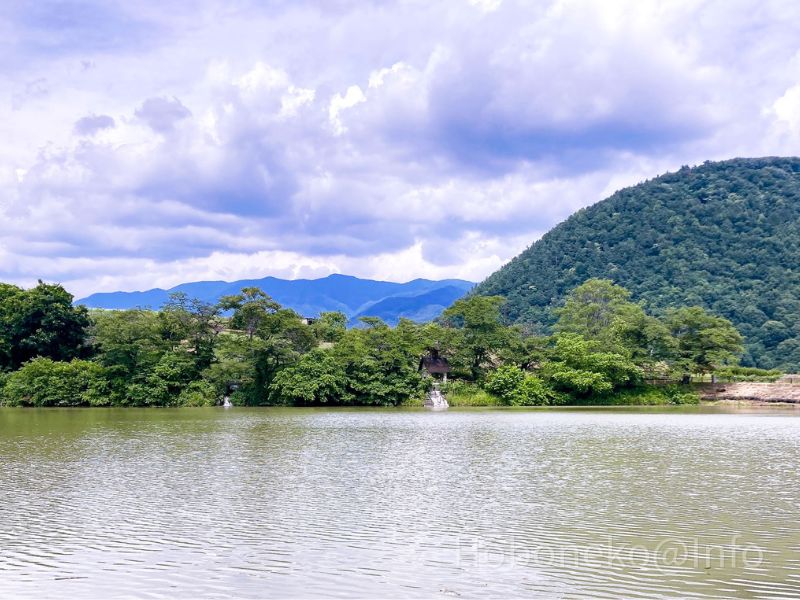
(408, 504)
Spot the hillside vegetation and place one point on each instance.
(724, 236)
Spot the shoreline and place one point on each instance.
(718, 403)
(759, 392)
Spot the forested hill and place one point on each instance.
(724, 235)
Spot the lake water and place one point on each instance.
(213, 503)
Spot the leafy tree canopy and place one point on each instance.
(40, 321)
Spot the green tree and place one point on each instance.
(505, 382)
(198, 393)
(330, 327)
(193, 324)
(318, 378)
(250, 309)
(40, 321)
(483, 334)
(592, 309)
(602, 312)
(577, 366)
(381, 363)
(518, 388)
(704, 342)
(264, 340)
(644, 339)
(129, 343)
(169, 377)
(281, 340)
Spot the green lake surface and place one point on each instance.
(266, 503)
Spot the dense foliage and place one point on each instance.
(722, 236)
(39, 322)
(249, 348)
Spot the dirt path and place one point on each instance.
(762, 392)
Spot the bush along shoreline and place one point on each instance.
(253, 351)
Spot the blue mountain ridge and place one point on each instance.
(421, 308)
(420, 299)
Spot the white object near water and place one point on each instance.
(226, 402)
(435, 399)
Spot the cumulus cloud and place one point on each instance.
(385, 139)
(353, 96)
(161, 114)
(91, 124)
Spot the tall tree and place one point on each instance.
(129, 343)
(330, 326)
(600, 311)
(40, 321)
(478, 318)
(266, 337)
(592, 308)
(250, 309)
(705, 341)
(192, 324)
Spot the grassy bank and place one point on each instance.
(464, 394)
(649, 395)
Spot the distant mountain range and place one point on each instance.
(419, 300)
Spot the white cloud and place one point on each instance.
(486, 5)
(353, 96)
(787, 108)
(392, 139)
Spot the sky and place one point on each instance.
(148, 143)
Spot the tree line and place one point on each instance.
(250, 348)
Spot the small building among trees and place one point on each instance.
(434, 365)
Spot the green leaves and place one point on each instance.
(688, 339)
(318, 378)
(593, 308)
(250, 309)
(481, 334)
(601, 311)
(190, 355)
(518, 388)
(576, 366)
(45, 382)
(705, 342)
(377, 365)
(40, 321)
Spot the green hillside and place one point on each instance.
(724, 235)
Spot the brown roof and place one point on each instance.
(434, 364)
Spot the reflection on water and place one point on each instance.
(195, 503)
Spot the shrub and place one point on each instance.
(198, 393)
(535, 392)
(463, 393)
(316, 379)
(163, 385)
(505, 382)
(45, 382)
(517, 388)
(645, 396)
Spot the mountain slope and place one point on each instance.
(723, 235)
(309, 297)
(420, 308)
